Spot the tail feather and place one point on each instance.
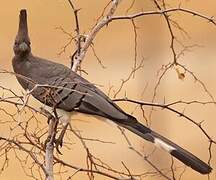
(176, 151)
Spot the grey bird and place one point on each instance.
(57, 86)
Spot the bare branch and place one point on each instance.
(161, 12)
(91, 35)
(77, 29)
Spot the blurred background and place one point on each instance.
(114, 45)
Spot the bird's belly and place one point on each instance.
(64, 116)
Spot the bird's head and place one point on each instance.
(22, 42)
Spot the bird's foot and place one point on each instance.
(58, 142)
(55, 142)
(46, 142)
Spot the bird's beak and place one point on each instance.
(23, 46)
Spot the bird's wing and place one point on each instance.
(67, 90)
(80, 95)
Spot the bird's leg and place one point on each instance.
(64, 118)
(59, 140)
(53, 122)
(47, 113)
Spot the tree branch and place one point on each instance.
(91, 35)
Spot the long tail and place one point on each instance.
(181, 154)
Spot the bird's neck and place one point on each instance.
(20, 62)
(22, 56)
(21, 68)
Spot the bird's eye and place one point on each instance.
(16, 43)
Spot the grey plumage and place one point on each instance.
(62, 88)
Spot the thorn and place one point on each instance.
(164, 100)
(200, 123)
(77, 10)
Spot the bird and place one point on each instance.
(57, 86)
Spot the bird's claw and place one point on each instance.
(46, 142)
(57, 142)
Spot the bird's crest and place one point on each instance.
(22, 34)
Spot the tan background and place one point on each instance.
(114, 45)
